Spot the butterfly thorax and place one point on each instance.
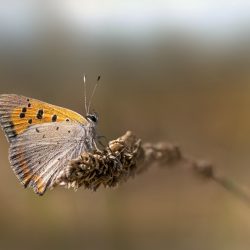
(90, 135)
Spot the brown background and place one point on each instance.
(165, 82)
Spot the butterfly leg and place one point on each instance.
(96, 147)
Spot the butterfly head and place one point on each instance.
(92, 118)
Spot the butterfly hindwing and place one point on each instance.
(18, 113)
(37, 162)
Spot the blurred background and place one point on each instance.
(173, 71)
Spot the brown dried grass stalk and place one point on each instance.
(127, 157)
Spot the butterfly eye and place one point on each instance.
(92, 118)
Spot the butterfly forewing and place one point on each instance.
(18, 113)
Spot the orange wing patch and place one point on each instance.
(21, 112)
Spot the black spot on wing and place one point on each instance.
(54, 118)
(39, 114)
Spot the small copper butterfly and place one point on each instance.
(43, 138)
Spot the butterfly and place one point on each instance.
(43, 138)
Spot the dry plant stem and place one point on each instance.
(126, 157)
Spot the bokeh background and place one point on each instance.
(171, 71)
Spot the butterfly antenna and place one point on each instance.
(85, 94)
(93, 93)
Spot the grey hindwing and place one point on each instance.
(42, 151)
